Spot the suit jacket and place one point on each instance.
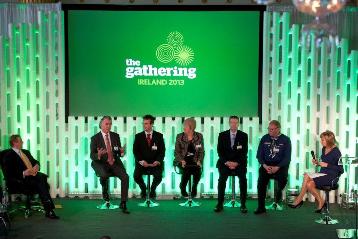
(237, 153)
(181, 147)
(13, 166)
(97, 141)
(142, 151)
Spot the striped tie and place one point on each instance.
(109, 151)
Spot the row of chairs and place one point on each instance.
(233, 203)
(28, 208)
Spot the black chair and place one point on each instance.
(16, 187)
(5, 223)
(148, 202)
(190, 202)
(107, 205)
(326, 218)
(232, 202)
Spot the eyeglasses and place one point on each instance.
(271, 129)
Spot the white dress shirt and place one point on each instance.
(109, 138)
(151, 134)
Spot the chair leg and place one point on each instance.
(326, 218)
(27, 208)
(148, 202)
(274, 206)
(28, 202)
(190, 202)
(148, 191)
(6, 225)
(107, 205)
(232, 202)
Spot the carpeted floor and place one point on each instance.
(80, 219)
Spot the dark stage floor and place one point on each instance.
(80, 219)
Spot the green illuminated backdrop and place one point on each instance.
(129, 63)
(308, 91)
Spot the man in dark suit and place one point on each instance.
(232, 150)
(21, 171)
(106, 151)
(149, 152)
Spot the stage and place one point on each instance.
(80, 219)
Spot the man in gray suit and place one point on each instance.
(106, 151)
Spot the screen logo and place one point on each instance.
(174, 51)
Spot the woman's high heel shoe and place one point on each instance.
(321, 209)
(298, 205)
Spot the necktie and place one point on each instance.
(26, 160)
(233, 136)
(149, 139)
(109, 151)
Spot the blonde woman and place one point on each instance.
(189, 152)
(328, 174)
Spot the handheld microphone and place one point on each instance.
(313, 155)
(314, 158)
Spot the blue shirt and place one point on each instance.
(274, 151)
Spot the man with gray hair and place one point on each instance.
(106, 151)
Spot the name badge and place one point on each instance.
(154, 147)
(276, 150)
(115, 148)
(239, 147)
(198, 146)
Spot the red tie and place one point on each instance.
(149, 140)
(109, 151)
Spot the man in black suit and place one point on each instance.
(149, 152)
(232, 150)
(21, 171)
(106, 151)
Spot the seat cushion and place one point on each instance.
(329, 187)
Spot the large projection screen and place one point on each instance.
(195, 61)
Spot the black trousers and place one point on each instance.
(38, 184)
(104, 171)
(280, 176)
(139, 171)
(225, 172)
(186, 173)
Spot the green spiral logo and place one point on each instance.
(165, 53)
(175, 49)
(175, 39)
(184, 55)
